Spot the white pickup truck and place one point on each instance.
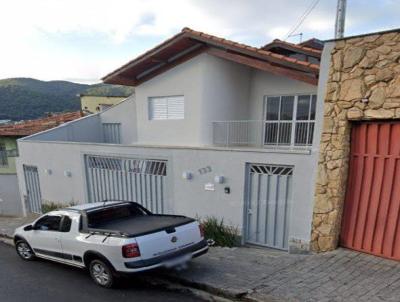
(111, 239)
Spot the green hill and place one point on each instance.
(26, 98)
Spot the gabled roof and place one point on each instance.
(189, 43)
(30, 127)
(313, 43)
(296, 48)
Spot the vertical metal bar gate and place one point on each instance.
(34, 196)
(267, 205)
(371, 218)
(130, 179)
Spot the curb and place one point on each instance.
(224, 293)
(6, 239)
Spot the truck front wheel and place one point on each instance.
(101, 273)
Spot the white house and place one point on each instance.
(216, 128)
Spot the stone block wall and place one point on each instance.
(363, 84)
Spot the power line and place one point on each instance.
(302, 18)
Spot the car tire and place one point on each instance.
(24, 250)
(102, 273)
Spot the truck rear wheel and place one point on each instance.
(101, 273)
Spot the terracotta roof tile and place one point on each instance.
(30, 127)
(187, 33)
(278, 42)
(258, 50)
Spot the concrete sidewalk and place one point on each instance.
(8, 224)
(256, 274)
(267, 275)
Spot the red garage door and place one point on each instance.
(372, 205)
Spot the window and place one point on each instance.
(167, 108)
(48, 223)
(289, 120)
(3, 156)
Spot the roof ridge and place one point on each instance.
(316, 51)
(258, 50)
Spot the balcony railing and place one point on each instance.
(257, 133)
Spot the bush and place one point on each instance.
(52, 206)
(221, 234)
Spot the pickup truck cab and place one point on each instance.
(111, 238)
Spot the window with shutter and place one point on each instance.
(167, 108)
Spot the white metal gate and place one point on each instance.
(267, 205)
(34, 196)
(129, 179)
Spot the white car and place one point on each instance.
(111, 239)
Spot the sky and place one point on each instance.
(83, 40)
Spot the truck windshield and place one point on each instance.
(121, 212)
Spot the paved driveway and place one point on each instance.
(269, 275)
(46, 281)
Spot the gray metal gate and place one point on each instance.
(267, 205)
(34, 196)
(130, 179)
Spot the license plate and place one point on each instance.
(177, 261)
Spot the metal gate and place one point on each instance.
(130, 179)
(371, 221)
(34, 196)
(267, 205)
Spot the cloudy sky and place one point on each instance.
(82, 40)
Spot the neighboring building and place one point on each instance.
(94, 103)
(10, 203)
(216, 128)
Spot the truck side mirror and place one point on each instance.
(28, 228)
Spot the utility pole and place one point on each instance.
(340, 19)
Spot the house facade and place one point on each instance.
(216, 128)
(10, 202)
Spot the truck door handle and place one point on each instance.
(170, 230)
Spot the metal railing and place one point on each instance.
(257, 133)
(238, 133)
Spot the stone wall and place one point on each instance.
(363, 84)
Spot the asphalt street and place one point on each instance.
(42, 280)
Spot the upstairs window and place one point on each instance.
(289, 120)
(167, 108)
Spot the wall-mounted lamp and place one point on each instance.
(187, 175)
(219, 179)
(67, 173)
(48, 171)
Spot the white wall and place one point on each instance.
(215, 90)
(124, 113)
(85, 129)
(225, 94)
(183, 196)
(10, 202)
(185, 79)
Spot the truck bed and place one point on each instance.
(141, 225)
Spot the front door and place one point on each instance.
(32, 185)
(45, 238)
(268, 194)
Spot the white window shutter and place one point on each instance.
(162, 108)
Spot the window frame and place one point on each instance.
(150, 114)
(293, 122)
(44, 217)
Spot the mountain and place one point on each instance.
(26, 98)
